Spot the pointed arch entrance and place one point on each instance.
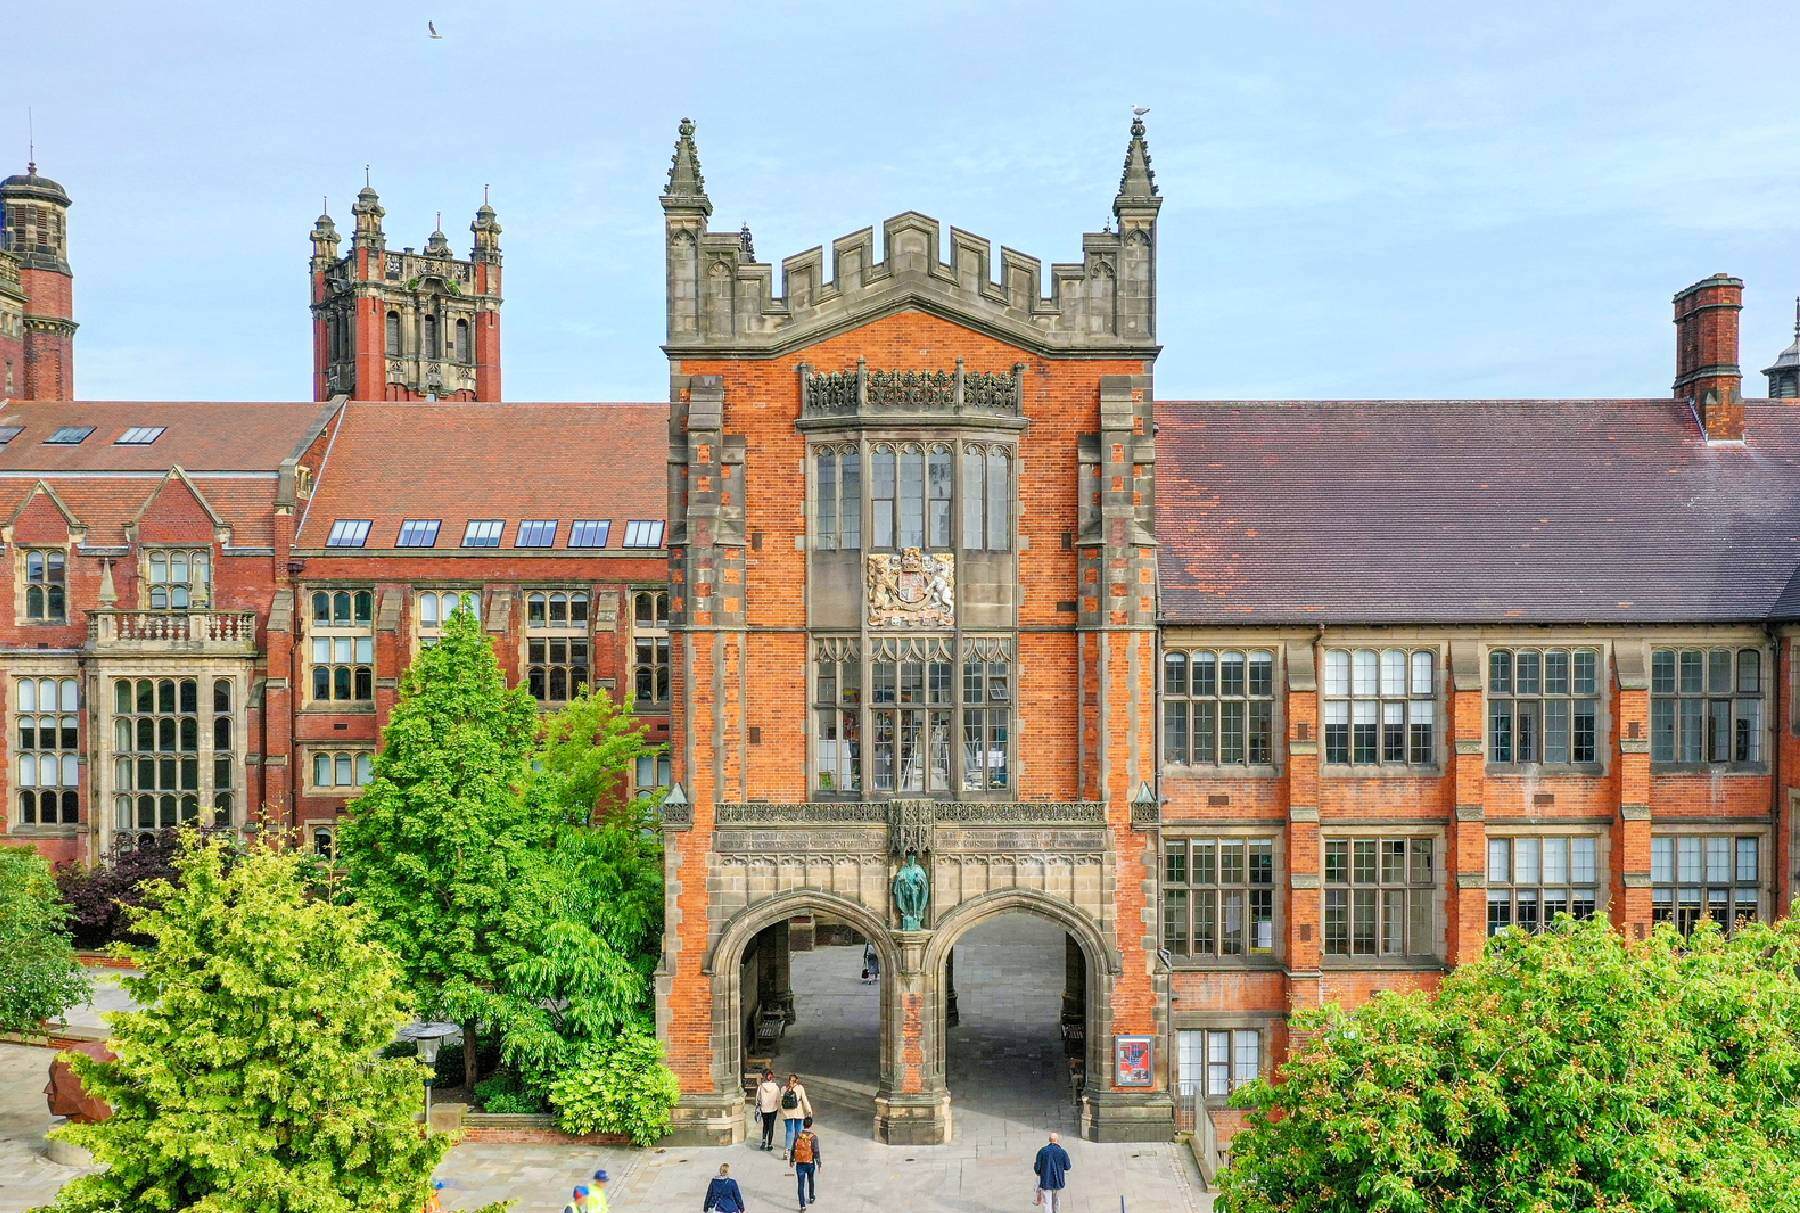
(1057, 1019)
(732, 966)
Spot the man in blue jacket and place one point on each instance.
(722, 1195)
(1052, 1166)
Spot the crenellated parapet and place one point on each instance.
(722, 300)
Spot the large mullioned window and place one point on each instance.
(1219, 897)
(174, 747)
(1532, 879)
(1706, 706)
(1219, 707)
(1381, 706)
(1695, 876)
(917, 495)
(1379, 897)
(342, 643)
(49, 754)
(912, 716)
(1543, 706)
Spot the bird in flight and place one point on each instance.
(431, 28)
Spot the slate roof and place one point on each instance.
(1506, 511)
(213, 436)
(457, 461)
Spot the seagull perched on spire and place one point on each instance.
(431, 28)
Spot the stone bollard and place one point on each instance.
(447, 1117)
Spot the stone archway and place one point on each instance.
(722, 968)
(1101, 964)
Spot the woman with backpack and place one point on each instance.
(795, 1108)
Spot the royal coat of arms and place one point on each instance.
(912, 589)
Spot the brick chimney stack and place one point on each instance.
(1706, 355)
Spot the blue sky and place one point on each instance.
(1362, 200)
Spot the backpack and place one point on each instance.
(803, 1147)
(789, 1100)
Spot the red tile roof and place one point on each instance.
(198, 435)
(105, 505)
(1530, 511)
(456, 461)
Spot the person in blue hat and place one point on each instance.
(579, 1202)
(597, 1197)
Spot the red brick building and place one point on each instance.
(1263, 703)
(212, 602)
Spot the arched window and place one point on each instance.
(462, 341)
(393, 334)
(431, 338)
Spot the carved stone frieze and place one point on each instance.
(912, 825)
(866, 843)
(1013, 840)
(852, 812)
(861, 391)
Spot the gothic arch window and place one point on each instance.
(462, 341)
(393, 334)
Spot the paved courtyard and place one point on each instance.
(1006, 1077)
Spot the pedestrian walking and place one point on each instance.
(1052, 1167)
(597, 1196)
(795, 1108)
(807, 1160)
(722, 1195)
(871, 972)
(579, 1202)
(435, 1202)
(768, 1106)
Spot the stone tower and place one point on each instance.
(897, 469)
(1784, 376)
(37, 308)
(406, 325)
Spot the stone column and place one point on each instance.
(912, 1108)
(781, 984)
(952, 1015)
(1074, 999)
(800, 933)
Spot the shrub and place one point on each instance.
(617, 1086)
(39, 978)
(503, 1092)
(101, 897)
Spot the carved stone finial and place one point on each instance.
(687, 187)
(747, 242)
(1137, 183)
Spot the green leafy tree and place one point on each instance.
(39, 977)
(585, 933)
(249, 1081)
(435, 845)
(1565, 1071)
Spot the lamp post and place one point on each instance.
(430, 1036)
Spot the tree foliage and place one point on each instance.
(584, 934)
(249, 1078)
(39, 978)
(1565, 1071)
(434, 847)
